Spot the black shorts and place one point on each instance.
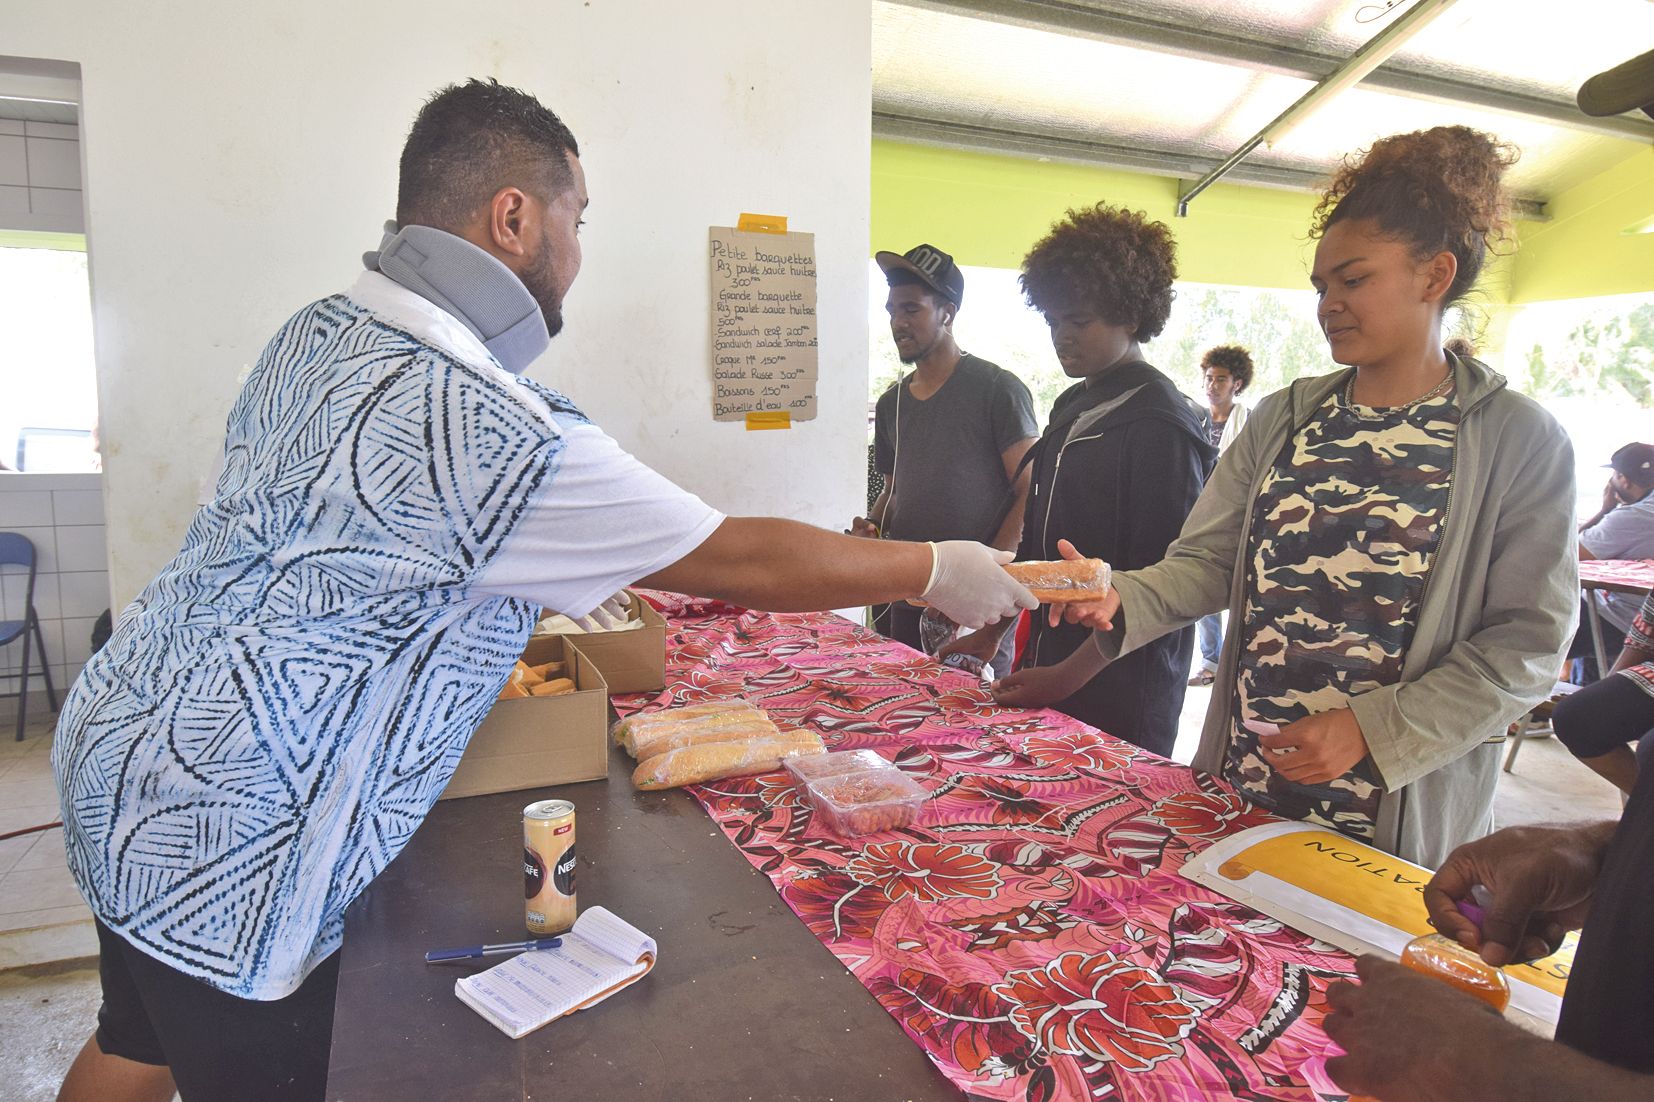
(215, 1044)
(1603, 716)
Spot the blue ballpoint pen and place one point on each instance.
(471, 951)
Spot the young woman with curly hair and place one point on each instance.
(1120, 463)
(1393, 542)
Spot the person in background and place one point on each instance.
(1410, 1038)
(948, 437)
(1393, 540)
(1624, 527)
(1225, 372)
(1119, 465)
(397, 505)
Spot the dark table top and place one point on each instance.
(743, 1002)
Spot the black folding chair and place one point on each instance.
(17, 550)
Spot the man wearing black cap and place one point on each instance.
(1407, 1037)
(1624, 527)
(949, 436)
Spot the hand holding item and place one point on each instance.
(1036, 686)
(969, 586)
(1097, 615)
(1317, 748)
(981, 645)
(1541, 880)
(1408, 1037)
(863, 527)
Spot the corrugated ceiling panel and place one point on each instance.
(987, 73)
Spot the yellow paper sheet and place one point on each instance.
(1353, 876)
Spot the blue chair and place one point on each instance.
(16, 550)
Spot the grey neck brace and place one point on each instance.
(485, 295)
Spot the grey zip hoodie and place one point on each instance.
(1494, 620)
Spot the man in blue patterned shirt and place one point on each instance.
(278, 710)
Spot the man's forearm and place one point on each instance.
(881, 505)
(1009, 536)
(1525, 1068)
(785, 566)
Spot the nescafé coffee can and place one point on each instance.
(548, 866)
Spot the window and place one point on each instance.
(48, 384)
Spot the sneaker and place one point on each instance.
(1204, 677)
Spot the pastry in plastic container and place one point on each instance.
(816, 766)
(866, 802)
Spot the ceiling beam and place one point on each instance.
(905, 126)
(1370, 56)
(1083, 21)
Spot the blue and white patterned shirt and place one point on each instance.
(278, 710)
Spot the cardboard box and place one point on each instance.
(535, 742)
(631, 661)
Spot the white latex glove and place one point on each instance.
(611, 615)
(969, 586)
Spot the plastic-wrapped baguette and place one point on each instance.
(640, 742)
(627, 730)
(1063, 579)
(717, 760)
(657, 739)
(665, 740)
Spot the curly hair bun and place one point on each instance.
(1440, 189)
(1108, 259)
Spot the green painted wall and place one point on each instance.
(39, 239)
(988, 209)
(1585, 249)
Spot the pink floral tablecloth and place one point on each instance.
(1030, 932)
(1626, 574)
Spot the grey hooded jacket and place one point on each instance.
(1495, 616)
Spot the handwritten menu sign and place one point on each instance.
(763, 324)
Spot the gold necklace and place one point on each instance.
(1436, 391)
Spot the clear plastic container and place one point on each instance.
(815, 766)
(866, 802)
(1453, 964)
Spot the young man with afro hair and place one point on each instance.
(1119, 466)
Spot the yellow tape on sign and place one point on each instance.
(762, 223)
(777, 420)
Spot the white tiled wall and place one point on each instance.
(40, 186)
(62, 514)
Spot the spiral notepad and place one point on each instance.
(598, 957)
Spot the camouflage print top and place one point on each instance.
(1343, 532)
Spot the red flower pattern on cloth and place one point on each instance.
(984, 907)
(1102, 1007)
(1006, 802)
(1201, 814)
(1080, 750)
(926, 871)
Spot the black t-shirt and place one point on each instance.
(946, 451)
(1608, 1012)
